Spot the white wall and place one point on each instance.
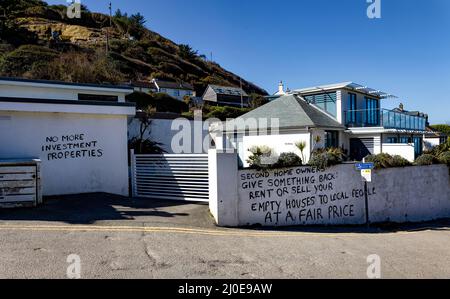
(282, 143)
(430, 143)
(320, 198)
(55, 91)
(411, 194)
(24, 134)
(405, 150)
(331, 197)
(161, 131)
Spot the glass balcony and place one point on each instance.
(387, 119)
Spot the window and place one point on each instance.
(418, 146)
(405, 140)
(372, 112)
(351, 109)
(325, 101)
(392, 140)
(332, 139)
(97, 98)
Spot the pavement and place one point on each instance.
(117, 237)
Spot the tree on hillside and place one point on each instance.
(186, 52)
(137, 28)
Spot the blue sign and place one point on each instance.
(363, 166)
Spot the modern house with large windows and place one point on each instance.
(346, 115)
(370, 129)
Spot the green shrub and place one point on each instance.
(384, 160)
(380, 161)
(426, 159)
(21, 60)
(261, 158)
(399, 161)
(440, 149)
(324, 158)
(442, 128)
(445, 158)
(224, 113)
(288, 160)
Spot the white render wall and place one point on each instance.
(331, 197)
(430, 143)
(411, 194)
(55, 91)
(164, 131)
(283, 143)
(407, 151)
(24, 134)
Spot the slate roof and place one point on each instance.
(292, 111)
(143, 84)
(231, 91)
(174, 85)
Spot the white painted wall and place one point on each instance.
(55, 91)
(23, 134)
(164, 131)
(430, 143)
(411, 194)
(283, 143)
(270, 200)
(331, 197)
(405, 150)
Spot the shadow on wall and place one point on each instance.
(89, 208)
(378, 228)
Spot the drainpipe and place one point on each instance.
(381, 143)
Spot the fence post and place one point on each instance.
(223, 187)
(133, 173)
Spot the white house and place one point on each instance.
(433, 138)
(346, 115)
(79, 131)
(174, 89)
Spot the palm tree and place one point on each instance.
(301, 145)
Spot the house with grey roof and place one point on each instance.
(225, 96)
(177, 90)
(346, 115)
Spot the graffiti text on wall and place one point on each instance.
(303, 195)
(72, 146)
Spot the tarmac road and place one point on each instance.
(175, 240)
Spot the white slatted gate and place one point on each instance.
(173, 177)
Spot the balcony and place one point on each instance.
(387, 119)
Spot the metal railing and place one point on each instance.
(384, 118)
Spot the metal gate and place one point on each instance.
(173, 177)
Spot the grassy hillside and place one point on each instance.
(78, 54)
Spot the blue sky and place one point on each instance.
(311, 42)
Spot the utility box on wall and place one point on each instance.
(20, 183)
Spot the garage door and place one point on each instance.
(361, 148)
(173, 177)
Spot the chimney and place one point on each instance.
(401, 107)
(281, 88)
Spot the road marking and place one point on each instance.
(181, 230)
